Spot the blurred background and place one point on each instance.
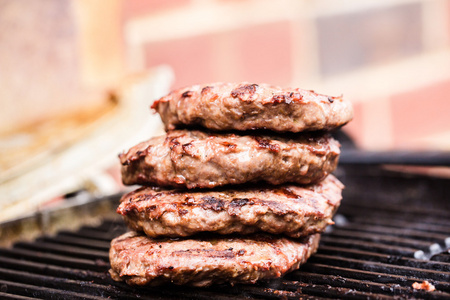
(77, 77)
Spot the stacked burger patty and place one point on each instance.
(242, 197)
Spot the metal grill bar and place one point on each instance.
(389, 223)
(76, 241)
(364, 245)
(383, 258)
(407, 214)
(31, 290)
(6, 296)
(357, 264)
(393, 231)
(69, 251)
(381, 238)
(445, 257)
(27, 256)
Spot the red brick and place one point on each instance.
(191, 58)
(355, 129)
(259, 53)
(420, 113)
(265, 53)
(137, 8)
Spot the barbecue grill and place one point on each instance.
(392, 230)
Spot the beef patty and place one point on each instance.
(292, 210)
(244, 106)
(140, 260)
(196, 159)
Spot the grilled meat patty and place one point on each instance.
(244, 106)
(140, 260)
(288, 209)
(197, 159)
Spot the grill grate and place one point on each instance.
(376, 249)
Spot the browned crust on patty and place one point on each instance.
(140, 260)
(246, 106)
(197, 159)
(288, 209)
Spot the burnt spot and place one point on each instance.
(295, 96)
(213, 203)
(229, 145)
(279, 98)
(241, 252)
(330, 99)
(266, 144)
(223, 254)
(319, 149)
(239, 202)
(173, 143)
(179, 179)
(187, 94)
(189, 200)
(151, 208)
(244, 92)
(182, 212)
(124, 210)
(144, 197)
(277, 207)
(187, 148)
(206, 89)
(286, 98)
(125, 162)
(288, 193)
(128, 160)
(141, 153)
(123, 159)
